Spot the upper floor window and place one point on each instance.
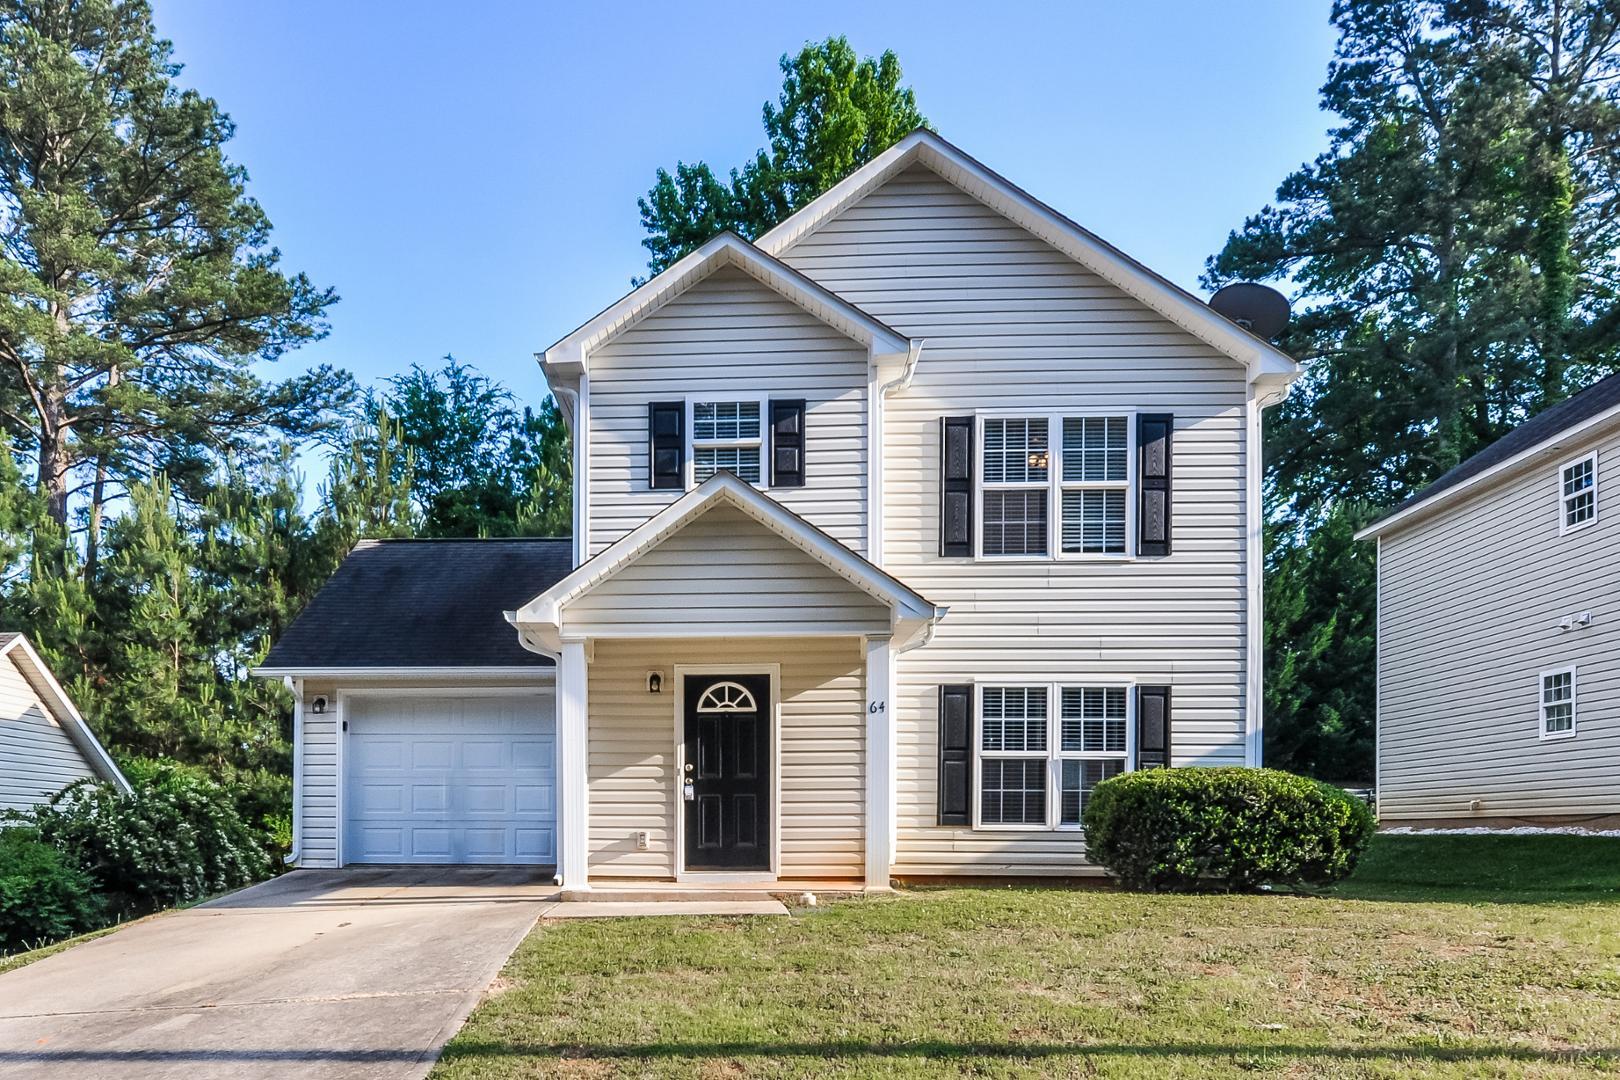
(1085, 473)
(1577, 482)
(727, 435)
(1558, 703)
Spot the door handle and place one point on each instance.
(689, 791)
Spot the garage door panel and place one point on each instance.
(450, 780)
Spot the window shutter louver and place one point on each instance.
(1154, 435)
(666, 444)
(787, 444)
(956, 487)
(956, 755)
(1152, 727)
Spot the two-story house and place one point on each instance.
(896, 531)
(1499, 630)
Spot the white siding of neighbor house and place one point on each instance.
(1469, 607)
(318, 847)
(37, 757)
(822, 744)
(1010, 322)
(724, 573)
(729, 335)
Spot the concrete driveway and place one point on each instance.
(319, 973)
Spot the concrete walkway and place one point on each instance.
(352, 973)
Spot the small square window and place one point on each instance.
(727, 435)
(1578, 493)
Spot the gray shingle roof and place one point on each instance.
(1542, 427)
(424, 603)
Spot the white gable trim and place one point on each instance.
(39, 676)
(1262, 359)
(539, 622)
(572, 353)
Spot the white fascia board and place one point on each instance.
(570, 356)
(1259, 357)
(62, 707)
(544, 613)
(1550, 447)
(537, 673)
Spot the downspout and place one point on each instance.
(556, 659)
(875, 452)
(296, 686)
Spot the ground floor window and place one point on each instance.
(1044, 747)
(1558, 703)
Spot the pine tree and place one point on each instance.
(138, 286)
(1453, 258)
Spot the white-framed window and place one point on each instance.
(1557, 703)
(1043, 747)
(1577, 493)
(1056, 485)
(726, 433)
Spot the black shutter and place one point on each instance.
(787, 444)
(1152, 727)
(666, 444)
(956, 487)
(1154, 433)
(956, 755)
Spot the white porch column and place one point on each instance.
(573, 796)
(881, 812)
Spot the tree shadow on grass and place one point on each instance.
(944, 1050)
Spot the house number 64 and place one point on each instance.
(877, 707)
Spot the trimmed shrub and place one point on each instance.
(1228, 829)
(43, 896)
(175, 839)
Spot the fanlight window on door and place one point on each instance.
(727, 697)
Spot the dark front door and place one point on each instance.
(726, 784)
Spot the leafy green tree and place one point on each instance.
(137, 281)
(1453, 257)
(836, 112)
(480, 466)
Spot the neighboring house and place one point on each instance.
(45, 745)
(895, 532)
(1499, 630)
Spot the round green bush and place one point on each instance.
(1230, 829)
(177, 837)
(43, 896)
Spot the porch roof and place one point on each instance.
(541, 622)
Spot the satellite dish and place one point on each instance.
(1261, 310)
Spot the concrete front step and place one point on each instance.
(622, 909)
(652, 894)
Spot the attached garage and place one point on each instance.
(468, 778)
(423, 730)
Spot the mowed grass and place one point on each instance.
(1514, 971)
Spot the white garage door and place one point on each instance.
(449, 780)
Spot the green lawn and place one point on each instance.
(1517, 973)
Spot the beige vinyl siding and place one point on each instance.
(37, 757)
(1469, 608)
(724, 573)
(729, 335)
(318, 848)
(822, 751)
(1010, 322)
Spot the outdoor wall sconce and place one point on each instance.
(317, 705)
(655, 682)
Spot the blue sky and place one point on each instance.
(467, 180)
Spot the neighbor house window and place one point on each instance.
(727, 435)
(1558, 703)
(1578, 488)
(1079, 465)
(1043, 748)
